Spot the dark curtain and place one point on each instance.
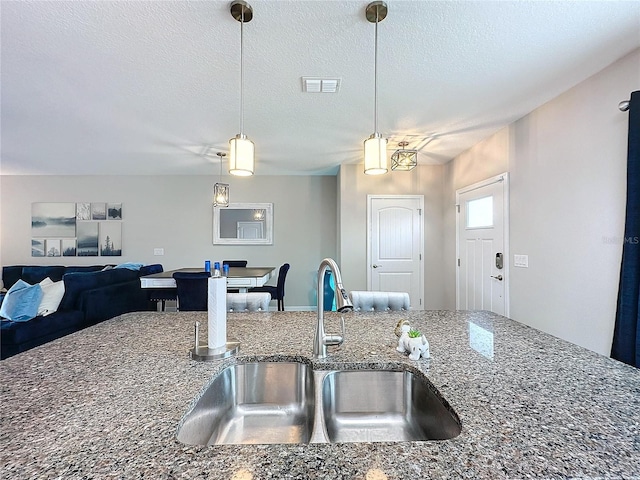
(626, 336)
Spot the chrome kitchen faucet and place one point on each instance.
(321, 339)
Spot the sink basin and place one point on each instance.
(384, 406)
(289, 402)
(260, 402)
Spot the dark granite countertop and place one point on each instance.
(106, 402)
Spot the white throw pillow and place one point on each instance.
(52, 296)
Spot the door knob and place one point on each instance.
(497, 277)
(377, 266)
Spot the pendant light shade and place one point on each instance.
(221, 195)
(375, 147)
(241, 156)
(375, 155)
(241, 149)
(404, 159)
(221, 190)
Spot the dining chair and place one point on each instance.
(235, 263)
(193, 290)
(277, 292)
(156, 295)
(248, 302)
(369, 301)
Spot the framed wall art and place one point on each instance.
(84, 229)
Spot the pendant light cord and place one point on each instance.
(221, 157)
(375, 77)
(241, 74)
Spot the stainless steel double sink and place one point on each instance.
(290, 402)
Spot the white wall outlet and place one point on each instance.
(158, 251)
(521, 261)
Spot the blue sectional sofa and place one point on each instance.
(91, 295)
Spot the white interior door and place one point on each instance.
(482, 226)
(396, 245)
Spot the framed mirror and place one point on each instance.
(243, 224)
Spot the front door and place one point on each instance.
(396, 246)
(482, 263)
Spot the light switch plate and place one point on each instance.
(158, 251)
(521, 261)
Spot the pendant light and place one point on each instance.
(221, 190)
(375, 147)
(241, 149)
(404, 159)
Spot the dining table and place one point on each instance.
(238, 278)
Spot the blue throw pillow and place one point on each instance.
(130, 266)
(21, 302)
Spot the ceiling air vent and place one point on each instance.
(320, 85)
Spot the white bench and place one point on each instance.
(366, 301)
(248, 302)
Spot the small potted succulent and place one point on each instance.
(412, 341)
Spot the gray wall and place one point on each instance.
(354, 186)
(175, 213)
(567, 164)
(486, 159)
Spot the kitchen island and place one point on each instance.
(106, 402)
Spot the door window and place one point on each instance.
(480, 212)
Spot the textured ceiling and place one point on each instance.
(145, 87)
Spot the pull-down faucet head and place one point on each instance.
(343, 302)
